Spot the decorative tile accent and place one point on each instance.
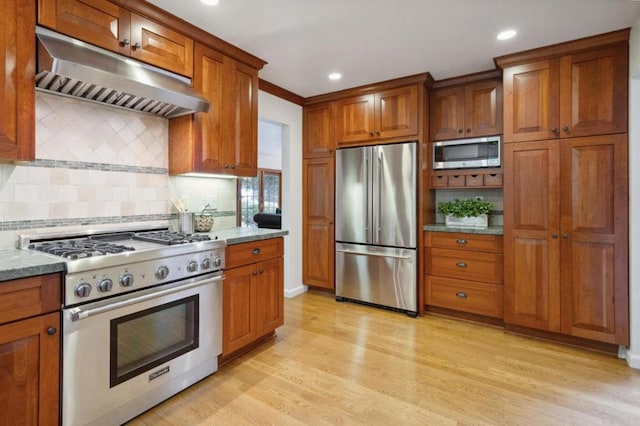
(79, 165)
(51, 223)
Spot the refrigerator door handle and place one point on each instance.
(380, 180)
(359, 253)
(365, 179)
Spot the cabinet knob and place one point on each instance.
(461, 265)
(565, 236)
(554, 131)
(51, 331)
(565, 128)
(371, 134)
(261, 270)
(254, 273)
(331, 223)
(461, 241)
(468, 129)
(256, 251)
(460, 131)
(554, 235)
(377, 132)
(233, 166)
(136, 46)
(226, 166)
(461, 295)
(125, 42)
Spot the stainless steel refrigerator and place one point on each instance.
(376, 225)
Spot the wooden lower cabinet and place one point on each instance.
(566, 237)
(30, 351)
(253, 293)
(464, 272)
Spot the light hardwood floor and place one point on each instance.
(343, 363)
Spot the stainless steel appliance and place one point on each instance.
(376, 225)
(141, 318)
(467, 153)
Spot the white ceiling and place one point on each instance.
(375, 40)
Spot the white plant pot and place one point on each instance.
(467, 222)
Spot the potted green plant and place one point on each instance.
(471, 212)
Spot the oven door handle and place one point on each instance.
(79, 313)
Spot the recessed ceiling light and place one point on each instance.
(506, 35)
(210, 2)
(335, 76)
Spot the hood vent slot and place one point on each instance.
(72, 68)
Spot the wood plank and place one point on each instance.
(343, 363)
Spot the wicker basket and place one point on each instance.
(203, 222)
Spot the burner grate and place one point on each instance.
(78, 249)
(170, 238)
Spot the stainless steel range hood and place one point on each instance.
(70, 67)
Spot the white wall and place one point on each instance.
(633, 354)
(277, 110)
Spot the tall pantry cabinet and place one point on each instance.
(566, 188)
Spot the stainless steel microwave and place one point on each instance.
(467, 153)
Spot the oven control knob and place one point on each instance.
(126, 280)
(162, 272)
(192, 266)
(206, 263)
(105, 285)
(217, 261)
(83, 289)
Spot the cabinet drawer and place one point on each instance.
(493, 179)
(439, 181)
(256, 251)
(477, 298)
(474, 180)
(456, 180)
(462, 241)
(463, 264)
(26, 297)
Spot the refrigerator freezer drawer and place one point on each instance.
(381, 275)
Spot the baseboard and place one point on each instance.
(290, 293)
(633, 359)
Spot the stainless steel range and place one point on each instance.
(141, 317)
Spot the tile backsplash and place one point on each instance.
(98, 164)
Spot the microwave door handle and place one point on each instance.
(80, 313)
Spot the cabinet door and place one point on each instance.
(17, 80)
(355, 119)
(594, 227)
(240, 119)
(396, 112)
(98, 22)
(269, 296)
(208, 80)
(29, 361)
(319, 131)
(531, 101)
(160, 46)
(483, 109)
(531, 240)
(594, 92)
(239, 307)
(447, 113)
(318, 222)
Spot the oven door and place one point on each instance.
(126, 354)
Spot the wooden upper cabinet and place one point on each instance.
(575, 95)
(114, 28)
(158, 45)
(472, 110)
(17, 80)
(386, 114)
(318, 124)
(593, 92)
(225, 139)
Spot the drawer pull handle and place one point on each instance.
(461, 265)
(256, 251)
(461, 295)
(461, 241)
(51, 331)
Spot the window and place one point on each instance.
(258, 194)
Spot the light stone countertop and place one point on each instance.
(245, 235)
(16, 264)
(441, 227)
